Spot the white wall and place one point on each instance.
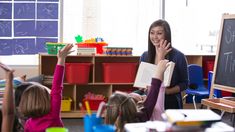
(29, 70)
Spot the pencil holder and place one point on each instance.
(90, 121)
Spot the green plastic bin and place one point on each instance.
(53, 48)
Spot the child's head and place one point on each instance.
(19, 91)
(35, 101)
(121, 109)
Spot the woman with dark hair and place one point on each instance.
(160, 48)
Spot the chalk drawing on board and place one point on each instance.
(24, 28)
(47, 28)
(34, 24)
(24, 46)
(225, 66)
(5, 28)
(47, 11)
(6, 47)
(24, 11)
(41, 43)
(5, 10)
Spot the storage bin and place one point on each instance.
(66, 104)
(53, 48)
(119, 72)
(77, 73)
(94, 103)
(209, 66)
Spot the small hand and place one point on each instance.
(65, 51)
(9, 71)
(161, 67)
(163, 49)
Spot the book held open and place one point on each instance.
(191, 117)
(147, 71)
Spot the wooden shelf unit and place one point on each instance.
(95, 84)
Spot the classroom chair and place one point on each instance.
(196, 87)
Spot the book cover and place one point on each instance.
(146, 72)
(191, 117)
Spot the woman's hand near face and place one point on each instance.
(163, 49)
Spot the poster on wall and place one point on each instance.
(25, 25)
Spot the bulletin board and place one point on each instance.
(25, 25)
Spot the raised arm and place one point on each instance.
(152, 96)
(8, 105)
(57, 85)
(63, 53)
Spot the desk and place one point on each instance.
(223, 104)
(164, 126)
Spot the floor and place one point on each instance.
(76, 125)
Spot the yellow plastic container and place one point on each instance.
(66, 104)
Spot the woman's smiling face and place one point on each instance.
(157, 34)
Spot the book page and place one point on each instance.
(144, 75)
(188, 115)
(168, 74)
(147, 71)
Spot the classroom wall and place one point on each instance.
(30, 71)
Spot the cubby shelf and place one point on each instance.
(96, 83)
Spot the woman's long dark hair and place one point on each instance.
(151, 47)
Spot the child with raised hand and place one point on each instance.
(121, 107)
(42, 108)
(8, 105)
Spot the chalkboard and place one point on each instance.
(25, 25)
(225, 58)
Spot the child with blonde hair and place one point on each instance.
(41, 107)
(122, 108)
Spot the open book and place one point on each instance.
(147, 71)
(191, 117)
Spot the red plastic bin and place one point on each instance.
(209, 66)
(77, 73)
(119, 72)
(93, 103)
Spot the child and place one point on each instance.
(121, 107)
(19, 119)
(42, 108)
(8, 101)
